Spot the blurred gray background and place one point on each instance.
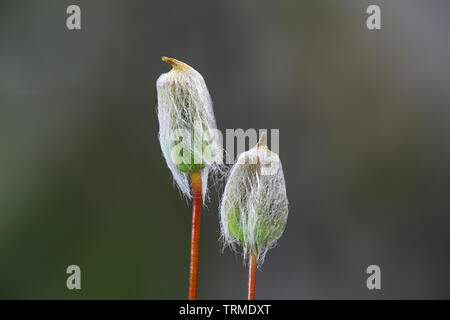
(364, 140)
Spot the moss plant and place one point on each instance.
(186, 120)
(254, 207)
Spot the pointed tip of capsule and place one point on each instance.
(262, 140)
(177, 65)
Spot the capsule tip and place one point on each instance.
(262, 140)
(177, 65)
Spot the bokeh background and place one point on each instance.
(364, 140)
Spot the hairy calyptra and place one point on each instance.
(254, 207)
(187, 125)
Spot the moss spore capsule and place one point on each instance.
(254, 207)
(186, 124)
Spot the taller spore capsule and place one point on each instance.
(187, 126)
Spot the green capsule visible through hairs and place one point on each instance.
(254, 206)
(186, 120)
(266, 231)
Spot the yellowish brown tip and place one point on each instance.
(262, 140)
(176, 64)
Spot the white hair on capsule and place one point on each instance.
(185, 106)
(256, 193)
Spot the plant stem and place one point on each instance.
(252, 264)
(196, 180)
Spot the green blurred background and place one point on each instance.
(364, 140)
